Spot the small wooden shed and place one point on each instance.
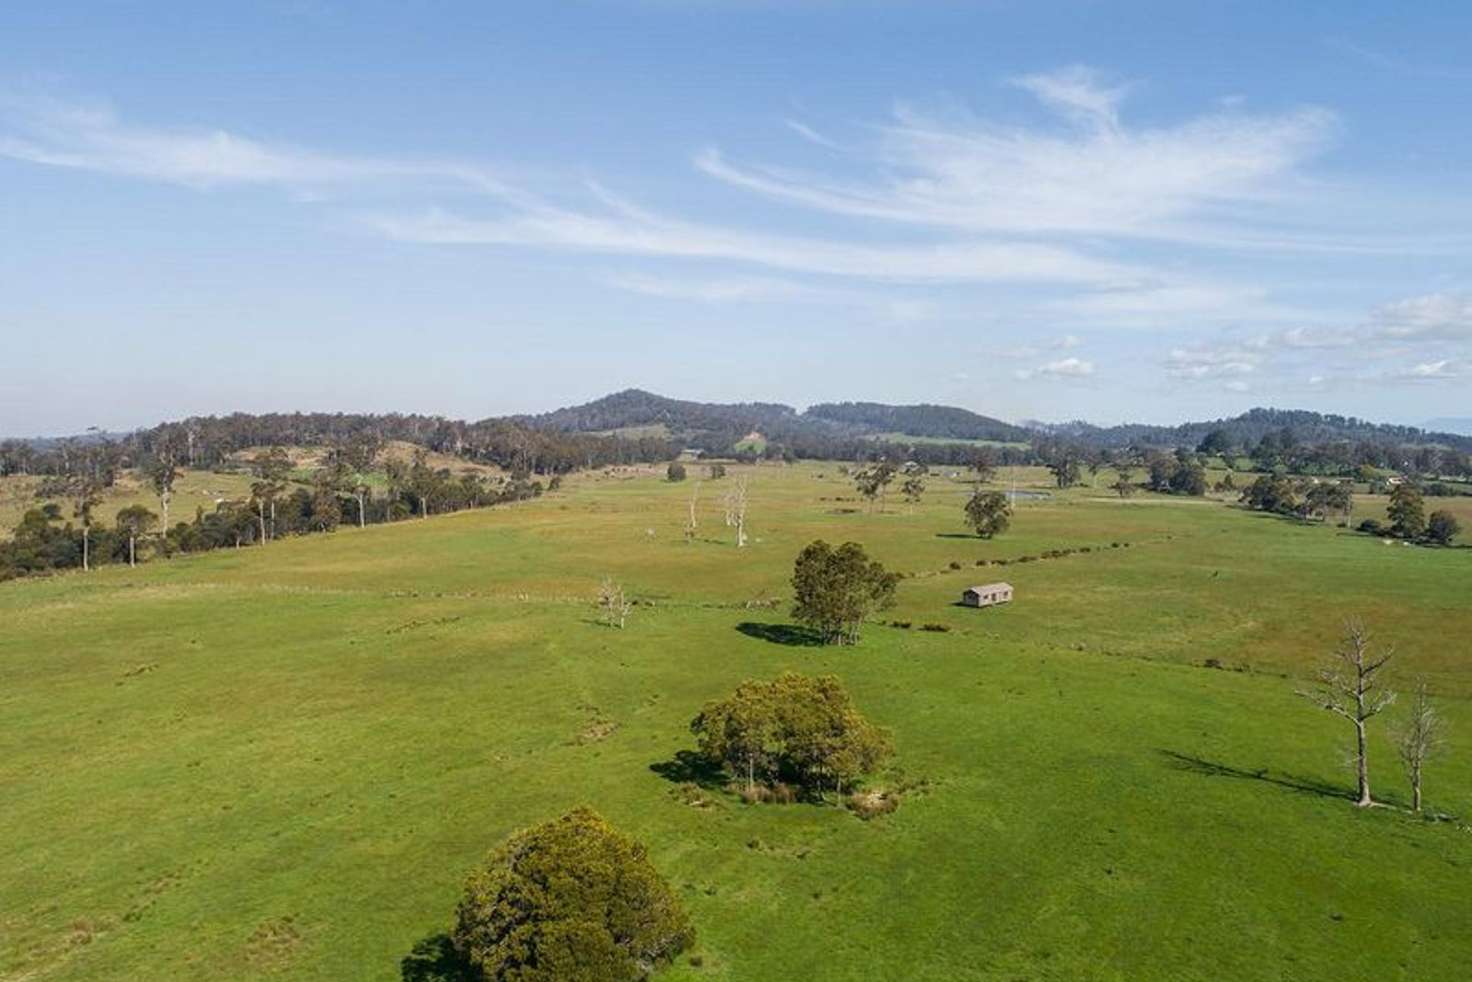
(987, 595)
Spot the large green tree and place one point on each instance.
(570, 900)
(1407, 511)
(836, 589)
(791, 728)
(989, 513)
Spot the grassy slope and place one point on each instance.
(193, 489)
(331, 730)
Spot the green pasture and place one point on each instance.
(280, 762)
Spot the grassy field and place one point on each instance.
(280, 762)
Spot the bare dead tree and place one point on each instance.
(739, 511)
(1346, 687)
(1419, 739)
(613, 604)
(728, 501)
(692, 525)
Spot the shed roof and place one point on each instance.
(990, 586)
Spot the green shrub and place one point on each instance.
(570, 899)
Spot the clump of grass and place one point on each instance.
(871, 804)
(776, 794)
(938, 628)
(902, 625)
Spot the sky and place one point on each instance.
(1111, 211)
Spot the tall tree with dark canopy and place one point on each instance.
(570, 900)
(836, 589)
(1407, 511)
(135, 521)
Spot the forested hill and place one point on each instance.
(635, 408)
(1251, 427)
(924, 420)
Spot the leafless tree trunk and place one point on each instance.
(692, 525)
(1419, 739)
(163, 506)
(614, 605)
(739, 509)
(132, 549)
(362, 508)
(1345, 688)
(86, 550)
(261, 510)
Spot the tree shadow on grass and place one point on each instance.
(959, 535)
(688, 767)
(434, 959)
(1211, 768)
(788, 634)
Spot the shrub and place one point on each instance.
(675, 472)
(940, 628)
(954, 565)
(572, 898)
(1372, 526)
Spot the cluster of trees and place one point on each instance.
(1408, 519)
(795, 730)
(570, 899)
(835, 590)
(1299, 497)
(46, 540)
(208, 442)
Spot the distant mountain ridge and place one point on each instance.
(712, 424)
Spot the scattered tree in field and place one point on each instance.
(736, 510)
(134, 521)
(325, 507)
(1271, 492)
(613, 605)
(422, 481)
(1063, 462)
(570, 899)
(1325, 498)
(692, 524)
(271, 467)
(162, 474)
(989, 513)
(1407, 512)
(984, 464)
(872, 481)
(716, 471)
(86, 494)
(913, 489)
(1419, 739)
(1346, 687)
(1124, 483)
(796, 729)
(675, 471)
(836, 589)
(1442, 527)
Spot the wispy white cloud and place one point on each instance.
(1211, 362)
(1209, 177)
(1063, 368)
(45, 131)
(648, 234)
(1430, 317)
(1440, 370)
(715, 290)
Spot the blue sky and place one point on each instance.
(1144, 211)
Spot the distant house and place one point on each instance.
(987, 594)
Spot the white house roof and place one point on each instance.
(985, 587)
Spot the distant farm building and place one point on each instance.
(987, 595)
